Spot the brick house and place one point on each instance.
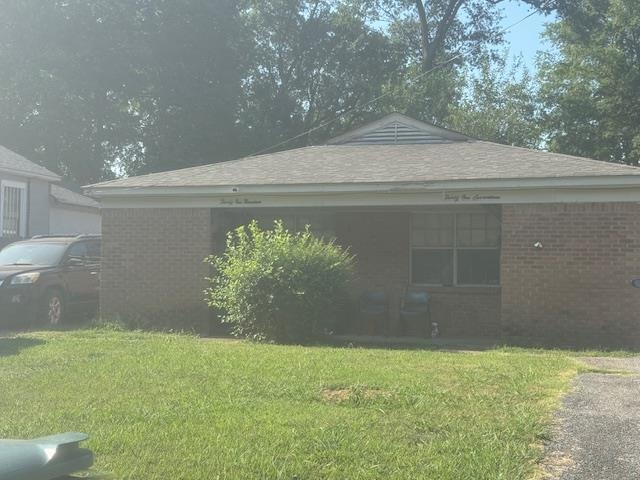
(508, 241)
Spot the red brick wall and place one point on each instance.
(576, 288)
(152, 268)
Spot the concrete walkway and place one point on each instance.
(598, 428)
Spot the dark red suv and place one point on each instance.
(46, 279)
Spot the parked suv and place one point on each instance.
(47, 278)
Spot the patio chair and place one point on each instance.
(373, 313)
(415, 313)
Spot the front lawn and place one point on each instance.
(176, 407)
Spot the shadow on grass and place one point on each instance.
(474, 344)
(408, 343)
(578, 347)
(13, 346)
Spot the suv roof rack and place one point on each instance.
(75, 235)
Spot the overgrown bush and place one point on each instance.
(277, 285)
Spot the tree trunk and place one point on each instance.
(427, 58)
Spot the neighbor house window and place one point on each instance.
(13, 202)
(455, 248)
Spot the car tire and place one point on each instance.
(53, 308)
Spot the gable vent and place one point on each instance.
(397, 133)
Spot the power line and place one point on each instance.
(411, 80)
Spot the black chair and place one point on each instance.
(415, 313)
(373, 313)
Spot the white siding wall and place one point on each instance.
(67, 220)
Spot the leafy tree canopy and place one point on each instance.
(499, 105)
(98, 88)
(591, 87)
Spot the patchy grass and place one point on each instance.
(161, 406)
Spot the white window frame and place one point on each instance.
(23, 205)
(454, 248)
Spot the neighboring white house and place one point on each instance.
(71, 212)
(31, 202)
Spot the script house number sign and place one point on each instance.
(456, 197)
(239, 201)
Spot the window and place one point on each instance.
(77, 250)
(13, 201)
(88, 251)
(455, 248)
(94, 253)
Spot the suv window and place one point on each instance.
(77, 250)
(88, 251)
(25, 253)
(94, 253)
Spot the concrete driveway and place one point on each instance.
(597, 434)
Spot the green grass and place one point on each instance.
(161, 406)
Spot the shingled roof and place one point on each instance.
(68, 197)
(392, 150)
(16, 164)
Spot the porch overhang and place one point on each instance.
(507, 191)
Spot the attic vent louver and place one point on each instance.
(397, 133)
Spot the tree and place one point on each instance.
(591, 86)
(442, 41)
(61, 67)
(499, 105)
(92, 86)
(439, 29)
(192, 60)
(311, 62)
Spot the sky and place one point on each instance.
(525, 38)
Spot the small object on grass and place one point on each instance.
(44, 458)
(435, 333)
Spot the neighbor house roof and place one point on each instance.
(393, 150)
(15, 164)
(68, 197)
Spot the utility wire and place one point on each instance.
(411, 80)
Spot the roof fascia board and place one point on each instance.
(22, 173)
(382, 199)
(615, 181)
(57, 201)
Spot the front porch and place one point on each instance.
(450, 252)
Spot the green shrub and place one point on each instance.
(279, 286)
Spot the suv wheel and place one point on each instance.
(53, 308)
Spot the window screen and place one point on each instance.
(455, 248)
